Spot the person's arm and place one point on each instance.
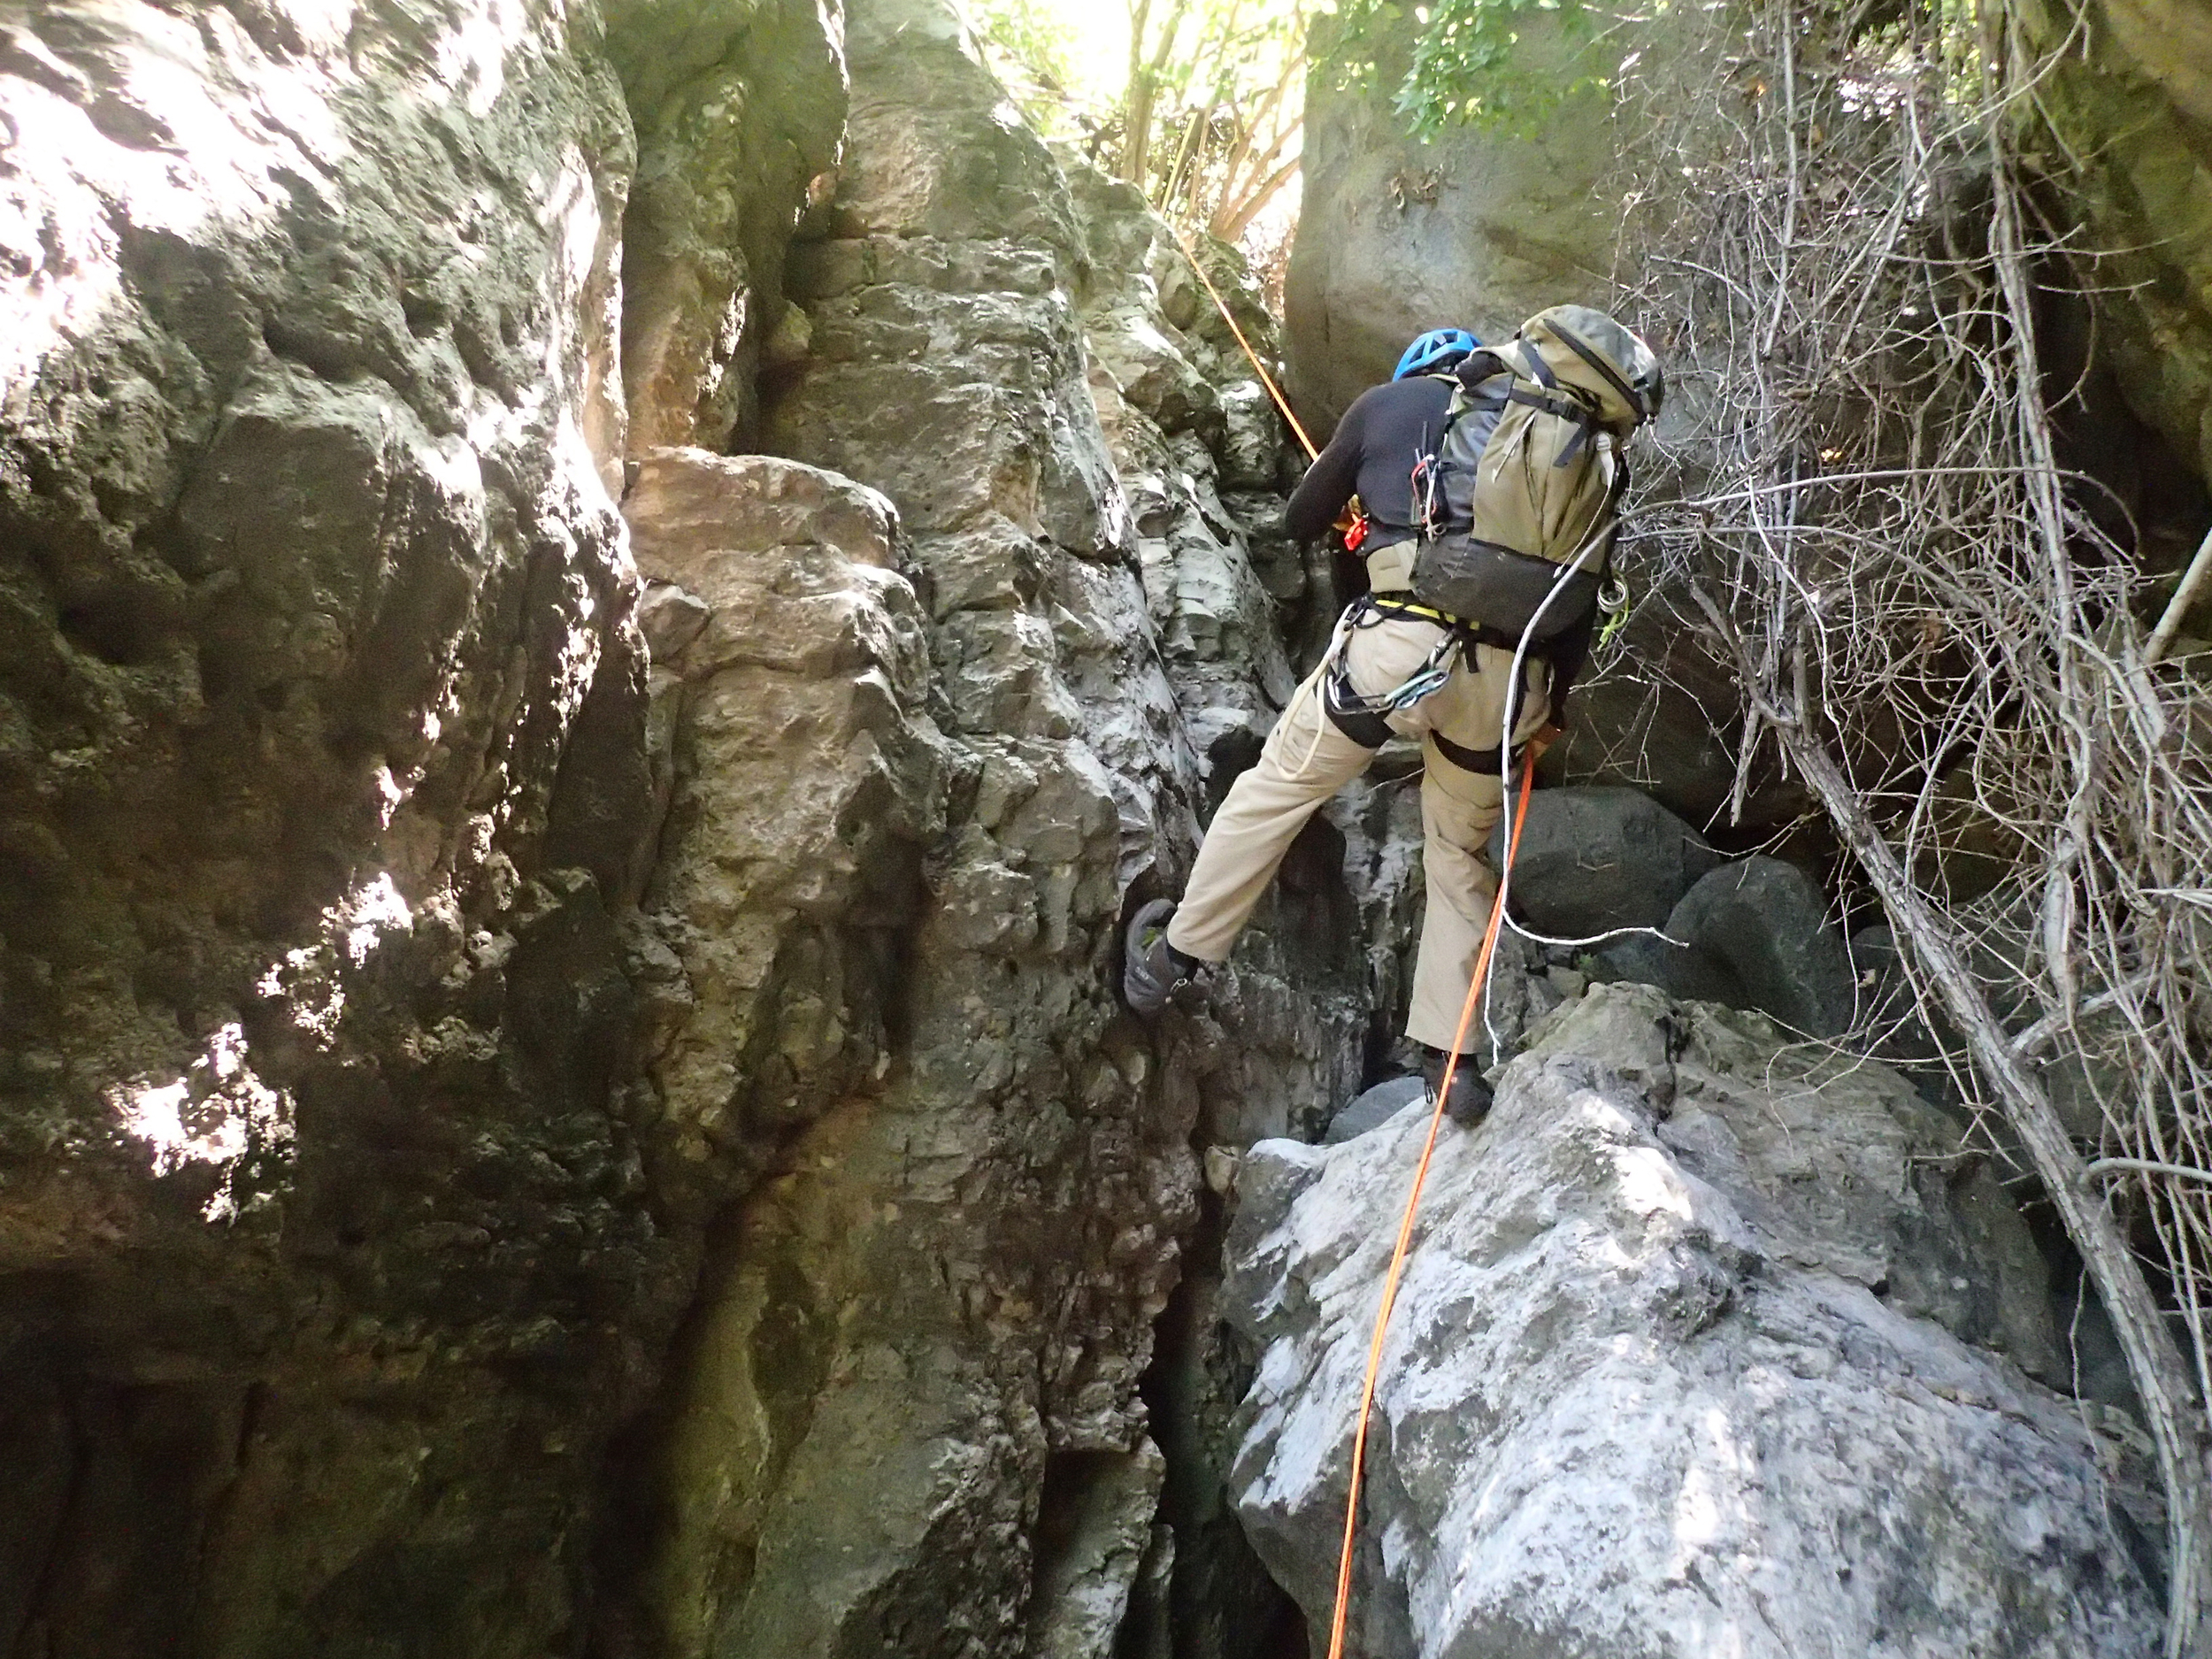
(1329, 482)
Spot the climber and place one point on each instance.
(1572, 384)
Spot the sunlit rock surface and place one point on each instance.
(1478, 228)
(739, 109)
(1706, 1346)
(923, 746)
(321, 1252)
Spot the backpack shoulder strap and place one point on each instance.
(1539, 371)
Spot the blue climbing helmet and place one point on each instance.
(1433, 352)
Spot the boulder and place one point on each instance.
(1375, 1107)
(2137, 104)
(1478, 228)
(809, 783)
(1706, 1345)
(1594, 858)
(1766, 923)
(1688, 975)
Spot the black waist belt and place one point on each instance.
(1398, 602)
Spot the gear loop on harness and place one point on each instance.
(1426, 682)
(1364, 717)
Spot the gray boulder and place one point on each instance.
(1740, 1373)
(1690, 976)
(1374, 1108)
(1767, 923)
(1596, 857)
(1476, 227)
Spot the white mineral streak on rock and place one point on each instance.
(1669, 1383)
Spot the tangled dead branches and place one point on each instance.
(1863, 516)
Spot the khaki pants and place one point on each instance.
(1307, 759)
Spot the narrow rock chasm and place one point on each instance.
(608, 609)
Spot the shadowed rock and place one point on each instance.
(1767, 923)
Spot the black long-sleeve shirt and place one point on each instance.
(1371, 453)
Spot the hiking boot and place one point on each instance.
(1154, 972)
(1468, 1103)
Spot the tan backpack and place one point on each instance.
(1518, 508)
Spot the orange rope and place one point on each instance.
(1405, 1227)
(1258, 368)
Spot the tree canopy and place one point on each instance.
(1198, 103)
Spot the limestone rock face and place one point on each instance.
(322, 1251)
(1703, 1347)
(791, 682)
(924, 750)
(739, 106)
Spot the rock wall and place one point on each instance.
(321, 1249)
(739, 111)
(2132, 109)
(556, 1104)
(956, 1172)
(1475, 228)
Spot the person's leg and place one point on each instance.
(1460, 806)
(1458, 810)
(1307, 758)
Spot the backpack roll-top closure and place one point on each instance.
(1592, 355)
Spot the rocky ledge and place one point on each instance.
(1707, 1345)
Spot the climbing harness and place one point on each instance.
(1426, 682)
(1365, 718)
